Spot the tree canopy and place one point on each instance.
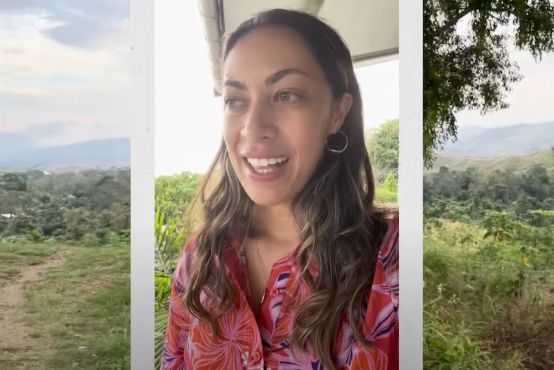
(67, 206)
(472, 69)
(382, 145)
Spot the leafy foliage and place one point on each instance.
(174, 194)
(173, 224)
(66, 206)
(382, 145)
(169, 241)
(471, 193)
(488, 257)
(473, 69)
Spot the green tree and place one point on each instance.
(473, 70)
(76, 221)
(13, 181)
(499, 225)
(382, 145)
(175, 193)
(536, 183)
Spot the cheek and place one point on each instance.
(230, 136)
(309, 141)
(313, 127)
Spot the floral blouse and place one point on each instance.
(249, 340)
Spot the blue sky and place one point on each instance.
(64, 67)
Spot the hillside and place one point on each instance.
(514, 163)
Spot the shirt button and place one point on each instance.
(257, 356)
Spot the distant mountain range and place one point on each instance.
(17, 152)
(519, 139)
(515, 148)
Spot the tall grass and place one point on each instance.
(488, 303)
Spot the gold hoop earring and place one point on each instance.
(332, 137)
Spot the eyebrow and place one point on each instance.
(282, 73)
(270, 80)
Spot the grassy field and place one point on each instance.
(14, 256)
(76, 314)
(488, 303)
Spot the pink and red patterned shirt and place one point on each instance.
(249, 340)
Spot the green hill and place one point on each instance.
(515, 163)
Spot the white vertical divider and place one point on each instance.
(141, 115)
(410, 184)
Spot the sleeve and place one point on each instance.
(175, 352)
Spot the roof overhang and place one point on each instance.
(369, 27)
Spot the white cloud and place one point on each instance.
(43, 81)
(31, 61)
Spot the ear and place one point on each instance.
(342, 107)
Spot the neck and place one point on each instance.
(275, 224)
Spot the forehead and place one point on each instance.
(268, 49)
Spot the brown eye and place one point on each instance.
(233, 104)
(287, 96)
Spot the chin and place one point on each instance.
(267, 200)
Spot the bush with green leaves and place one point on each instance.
(486, 289)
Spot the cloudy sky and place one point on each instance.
(63, 69)
(530, 100)
(188, 117)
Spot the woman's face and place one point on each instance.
(278, 111)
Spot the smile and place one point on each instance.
(266, 165)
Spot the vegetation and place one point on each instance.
(15, 256)
(472, 69)
(470, 194)
(513, 163)
(75, 312)
(78, 314)
(382, 144)
(488, 257)
(89, 206)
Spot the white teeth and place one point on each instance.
(259, 163)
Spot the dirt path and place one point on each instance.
(17, 345)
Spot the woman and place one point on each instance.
(293, 267)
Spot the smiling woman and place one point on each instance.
(293, 265)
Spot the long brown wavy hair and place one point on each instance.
(341, 229)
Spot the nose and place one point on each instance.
(258, 121)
